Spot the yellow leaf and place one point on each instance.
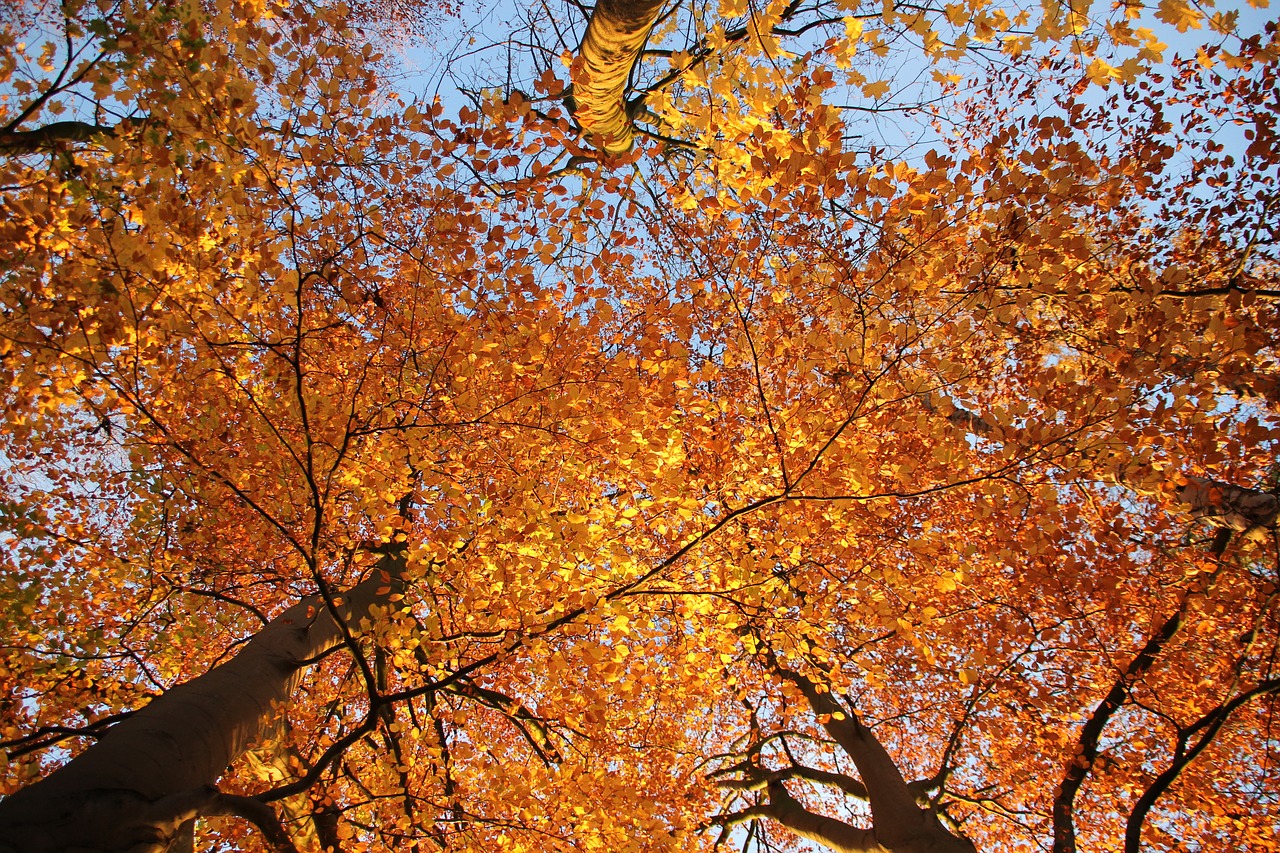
(1102, 72)
(1180, 14)
(853, 29)
(876, 90)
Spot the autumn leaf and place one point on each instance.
(876, 90)
(1179, 14)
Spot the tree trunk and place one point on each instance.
(898, 823)
(154, 772)
(615, 35)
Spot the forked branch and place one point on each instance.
(898, 823)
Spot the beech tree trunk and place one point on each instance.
(154, 772)
(898, 823)
(615, 35)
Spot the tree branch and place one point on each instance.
(57, 134)
(1235, 508)
(257, 813)
(1064, 832)
(1212, 723)
(836, 834)
(756, 779)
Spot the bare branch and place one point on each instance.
(1064, 833)
(57, 134)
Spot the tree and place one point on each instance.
(774, 466)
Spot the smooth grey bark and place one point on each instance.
(827, 831)
(898, 823)
(60, 134)
(1246, 511)
(135, 788)
(615, 35)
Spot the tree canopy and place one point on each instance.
(748, 425)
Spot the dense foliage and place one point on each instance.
(743, 423)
